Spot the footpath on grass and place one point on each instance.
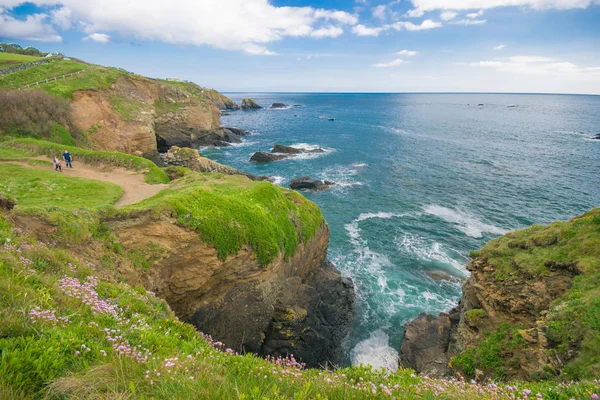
(132, 182)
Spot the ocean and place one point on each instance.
(423, 180)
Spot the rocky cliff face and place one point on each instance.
(523, 311)
(299, 306)
(140, 116)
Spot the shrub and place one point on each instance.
(35, 113)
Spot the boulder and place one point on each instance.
(278, 148)
(248, 104)
(597, 137)
(279, 105)
(262, 157)
(306, 182)
(426, 342)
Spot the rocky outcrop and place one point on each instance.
(249, 104)
(299, 306)
(142, 116)
(219, 100)
(279, 105)
(189, 158)
(280, 152)
(278, 148)
(426, 343)
(597, 137)
(262, 157)
(508, 298)
(306, 182)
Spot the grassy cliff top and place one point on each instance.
(70, 330)
(573, 320)
(228, 212)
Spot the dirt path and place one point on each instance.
(132, 182)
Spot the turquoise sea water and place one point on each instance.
(423, 179)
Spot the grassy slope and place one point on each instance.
(68, 329)
(230, 211)
(10, 59)
(574, 319)
(46, 188)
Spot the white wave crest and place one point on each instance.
(429, 251)
(376, 352)
(278, 180)
(360, 165)
(465, 222)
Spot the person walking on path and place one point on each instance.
(57, 166)
(67, 158)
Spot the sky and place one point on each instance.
(523, 46)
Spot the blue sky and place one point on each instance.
(327, 45)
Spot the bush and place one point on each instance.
(35, 113)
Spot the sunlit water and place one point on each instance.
(423, 179)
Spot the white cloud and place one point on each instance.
(407, 53)
(247, 25)
(98, 37)
(499, 47)
(62, 18)
(329, 31)
(409, 26)
(448, 15)
(362, 30)
(394, 63)
(468, 21)
(475, 14)
(380, 12)
(534, 65)
(33, 27)
(422, 6)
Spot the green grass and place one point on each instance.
(37, 73)
(573, 323)
(128, 108)
(231, 211)
(153, 173)
(10, 59)
(48, 358)
(163, 107)
(47, 188)
(95, 77)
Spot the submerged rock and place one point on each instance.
(597, 137)
(248, 104)
(306, 182)
(262, 157)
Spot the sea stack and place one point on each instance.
(250, 104)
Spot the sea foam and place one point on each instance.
(465, 222)
(376, 352)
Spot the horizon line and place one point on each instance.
(366, 92)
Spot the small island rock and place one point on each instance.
(306, 182)
(278, 148)
(279, 105)
(250, 104)
(262, 157)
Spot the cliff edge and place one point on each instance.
(530, 309)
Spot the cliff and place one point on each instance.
(113, 110)
(529, 309)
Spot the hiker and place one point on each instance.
(57, 166)
(67, 158)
